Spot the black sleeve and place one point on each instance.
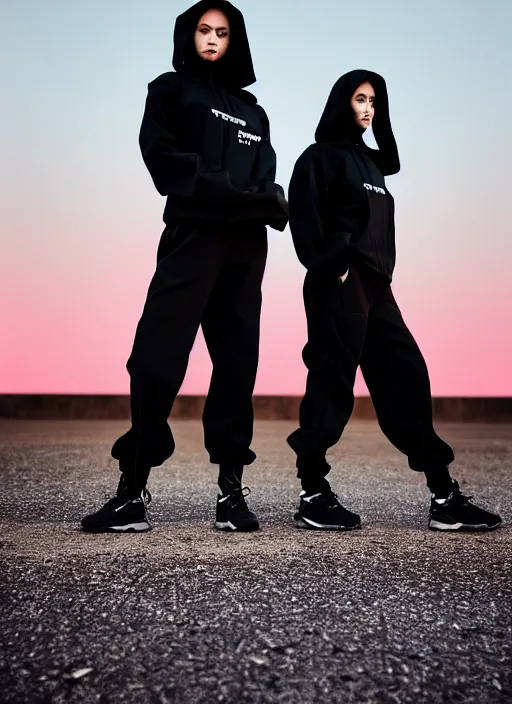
(385, 158)
(320, 252)
(263, 175)
(174, 172)
(264, 169)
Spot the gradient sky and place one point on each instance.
(80, 219)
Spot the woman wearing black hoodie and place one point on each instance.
(207, 146)
(342, 223)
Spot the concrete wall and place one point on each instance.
(29, 406)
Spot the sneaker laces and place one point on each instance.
(328, 497)
(458, 495)
(146, 500)
(331, 499)
(237, 497)
(461, 498)
(145, 496)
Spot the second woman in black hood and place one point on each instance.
(206, 143)
(342, 223)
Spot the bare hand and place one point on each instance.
(343, 278)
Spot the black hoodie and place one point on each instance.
(340, 208)
(204, 139)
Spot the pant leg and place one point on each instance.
(397, 378)
(189, 261)
(231, 327)
(336, 316)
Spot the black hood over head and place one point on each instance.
(337, 121)
(235, 68)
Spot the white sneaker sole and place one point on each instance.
(437, 525)
(231, 526)
(308, 524)
(225, 526)
(141, 527)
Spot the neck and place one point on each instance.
(355, 133)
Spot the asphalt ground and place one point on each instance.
(390, 613)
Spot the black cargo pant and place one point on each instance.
(208, 277)
(358, 323)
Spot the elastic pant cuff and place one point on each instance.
(149, 450)
(232, 459)
(312, 467)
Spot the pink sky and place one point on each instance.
(72, 311)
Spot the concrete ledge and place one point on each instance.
(110, 407)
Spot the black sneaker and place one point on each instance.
(458, 512)
(233, 512)
(324, 512)
(120, 515)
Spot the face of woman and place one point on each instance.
(362, 103)
(211, 37)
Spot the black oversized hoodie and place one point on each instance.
(204, 139)
(340, 208)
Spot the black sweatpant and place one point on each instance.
(359, 323)
(210, 277)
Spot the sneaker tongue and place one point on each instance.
(442, 499)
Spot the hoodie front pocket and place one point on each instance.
(351, 296)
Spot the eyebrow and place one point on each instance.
(203, 24)
(364, 95)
